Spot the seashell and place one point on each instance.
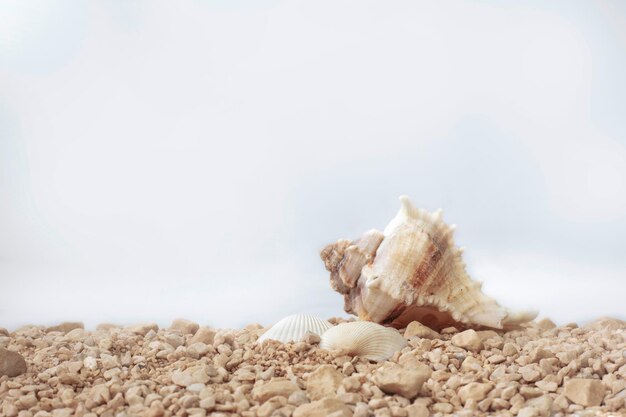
(363, 338)
(412, 271)
(293, 328)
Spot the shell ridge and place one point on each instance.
(417, 264)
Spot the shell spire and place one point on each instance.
(412, 271)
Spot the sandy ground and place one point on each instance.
(191, 370)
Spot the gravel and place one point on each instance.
(192, 370)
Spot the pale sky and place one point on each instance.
(191, 160)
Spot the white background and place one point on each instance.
(190, 159)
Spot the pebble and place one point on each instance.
(184, 326)
(417, 410)
(190, 376)
(276, 387)
(203, 335)
(417, 329)
(475, 391)
(468, 340)
(311, 338)
(66, 327)
(323, 382)
(510, 349)
(323, 408)
(585, 392)
(11, 363)
(542, 404)
(547, 386)
(143, 329)
(297, 398)
(405, 381)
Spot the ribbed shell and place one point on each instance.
(364, 338)
(293, 328)
(412, 271)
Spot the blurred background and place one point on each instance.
(162, 160)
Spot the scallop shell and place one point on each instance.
(364, 338)
(412, 271)
(293, 328)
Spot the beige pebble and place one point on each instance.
(276, 387)
(442, 408)
(547, 386)
(417, 410)
(143, 329)
(417, 329)
(585, 392)
(468, 339)
(475, 391)
(203, 335)
(184, 326)
(323, 382)
(190, 376)
(405, 381)
(323, 408)
(510, 349)
(66, 327)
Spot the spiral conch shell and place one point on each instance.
(412, 271)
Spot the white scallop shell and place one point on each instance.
(293, 328)
(364, 338)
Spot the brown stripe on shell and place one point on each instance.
(427, 266)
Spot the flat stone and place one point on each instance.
(323, 382)
(528, 412)
(543, 404)
(66, 327)
(607, 323)
(445, 408)
(468, 340)
(323, 408)
(415, 328)
(471, 363)
(297, 398)
(585, 392)
(406, 381)
(11, 363)
(474, 391)
(3, 331)
(276, 387)
(184, 326)
(190, 376)
(143, 329)
(539, 353)
(496, 359)
(510, 349)
(530, 373)
(549, 386)
(203, 335)
(417, 410)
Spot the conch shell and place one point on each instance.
(412, 271)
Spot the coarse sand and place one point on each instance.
(191, 370)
